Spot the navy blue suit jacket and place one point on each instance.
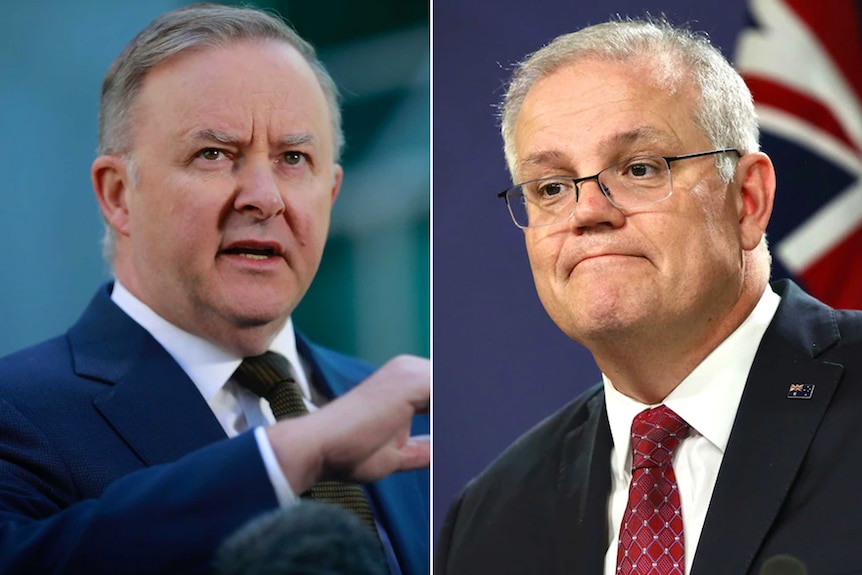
(112, 462)
(789, 481)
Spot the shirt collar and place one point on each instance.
(707, 399)
(207, 365)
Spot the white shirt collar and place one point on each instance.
(707, 399)
(206, 364)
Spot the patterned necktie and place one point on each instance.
(651, 536)
(268, 376)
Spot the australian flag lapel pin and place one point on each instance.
(800, 391)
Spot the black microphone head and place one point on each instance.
(783, 565)
(309, 538)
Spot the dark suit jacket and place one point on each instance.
(112, 462)
(790, 481)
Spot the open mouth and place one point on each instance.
(251, 253)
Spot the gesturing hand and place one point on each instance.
(363, 435)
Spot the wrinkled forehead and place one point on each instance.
(252, 61)
(598, 88)
(235, 85)
(599, 103)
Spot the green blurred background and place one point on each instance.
(371, 295)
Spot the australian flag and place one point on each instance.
(800, 391)
(802, 61)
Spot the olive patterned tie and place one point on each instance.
(268, 376)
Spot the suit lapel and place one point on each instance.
(171, 418)
(582, 494)
(771, 434)
(148, 400)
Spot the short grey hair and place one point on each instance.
(724, 111)
(193, 27)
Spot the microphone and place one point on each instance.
(783, 565)
(309, 538)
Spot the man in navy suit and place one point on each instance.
(127, 445)
(726, 429)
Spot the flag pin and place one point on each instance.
(800, 391)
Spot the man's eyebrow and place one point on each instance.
(545, 158)
(636, 136)
(232, 140)
(222, 137)
(613, 144)
(296, 140)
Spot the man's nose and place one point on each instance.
(258, 192)
(593, 207)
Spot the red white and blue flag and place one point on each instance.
(802, 61)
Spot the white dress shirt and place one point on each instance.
(210, 369)
(707, 400)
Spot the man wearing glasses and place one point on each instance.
(724, 432)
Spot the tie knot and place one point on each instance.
(656, 433)
(262, 374)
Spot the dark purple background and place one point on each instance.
(500, 364)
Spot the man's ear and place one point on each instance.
(338, 175)
(112, 183)
(756, 179)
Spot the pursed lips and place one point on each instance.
(601, 256)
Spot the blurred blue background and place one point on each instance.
(371, 296)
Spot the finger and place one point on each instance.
(416, 453)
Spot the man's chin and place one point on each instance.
(591, 316)
(250, 332)
(258, 307)
(259, 316)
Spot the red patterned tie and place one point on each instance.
(651, 537)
